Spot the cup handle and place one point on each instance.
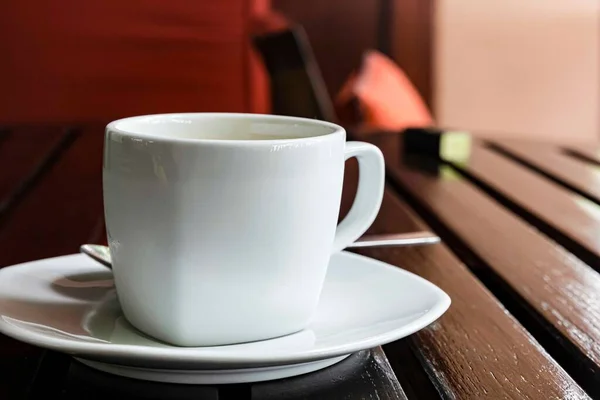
(371, 180)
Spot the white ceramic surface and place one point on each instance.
(213, 376)
(221, 226)
(69, 304)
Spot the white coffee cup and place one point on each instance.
(221, 225)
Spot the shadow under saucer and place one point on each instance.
(354, 376)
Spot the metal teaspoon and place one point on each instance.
(102, 253)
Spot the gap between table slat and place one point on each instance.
(373, 378)
(467, 373)
(549, 161)
(555, 295)
(571, 220)
(476, 349)
(543, 286)
(414, 380)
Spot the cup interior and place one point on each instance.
(215, 126)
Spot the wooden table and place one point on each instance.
(520, 225)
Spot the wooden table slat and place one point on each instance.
(557, 293)
(476, 350)
(547, 159)
(570, 219)
(59, 214)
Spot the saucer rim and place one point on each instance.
(191, 356)
(215, 376)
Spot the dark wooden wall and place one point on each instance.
(412, 42)
(341, 30)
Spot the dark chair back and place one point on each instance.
(297, 86)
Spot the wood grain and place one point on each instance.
(570, 219)
(60, 213)
(554, 294)
(477, 349)
(557, 293)
(550, 161)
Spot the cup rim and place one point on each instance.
(337, 130)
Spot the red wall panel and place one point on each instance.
(72, 60)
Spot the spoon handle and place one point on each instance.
(102, 253)
(97, 252)
(396, 239)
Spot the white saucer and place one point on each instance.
(68, 304)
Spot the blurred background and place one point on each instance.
(504, 68)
